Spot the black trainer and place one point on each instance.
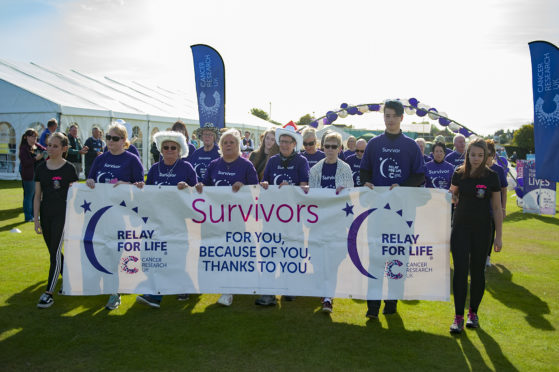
(458, 325)
(45, 301)
(473, 320)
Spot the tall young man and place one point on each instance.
(391, 159)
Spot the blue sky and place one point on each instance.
(468, 59)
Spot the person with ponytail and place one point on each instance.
(475, 191)
(52, 181)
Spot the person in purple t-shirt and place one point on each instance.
(231, 169)
(117, 166)
(286, 168)
(354, 161)
(456, 157)
(351, 146)
(170, 170)
(202, 157)
(312, 153)
(331, 173)
(438, 172)
(492, 163)
(391, 159)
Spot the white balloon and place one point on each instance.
(423, 106)
(363, 108)
(432, 115)
(443, 114)
(453, 126)
(381, 109)
(342, 114)
(409, 110)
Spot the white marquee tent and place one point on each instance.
(31, 94)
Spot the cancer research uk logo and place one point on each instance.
(130, 241)
(393, 240)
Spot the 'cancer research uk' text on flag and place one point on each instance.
(361, 243)
(545, 83)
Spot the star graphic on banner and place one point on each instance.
(348, 209)
(85, 206)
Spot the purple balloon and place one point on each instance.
(326, 121)
(352, 110)
(444, 121)
(314, 124)
(332, 116)
(359, 112)
(421, 112)
(374, 107)
(464, 132)
(432, 109)
(344, 105)
(413, 102)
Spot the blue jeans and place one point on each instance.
(28, 195)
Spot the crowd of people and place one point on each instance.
(472, 175)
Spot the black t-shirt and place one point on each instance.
(54, 186)
(474, 198)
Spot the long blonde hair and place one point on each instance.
(121, 131)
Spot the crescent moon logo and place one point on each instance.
(381, 168)
(435, 182)
(276, 179)
(352, 242)
(217, 182)
(99, 177)
(88, 239)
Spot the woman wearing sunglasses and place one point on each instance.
(170, 170)
(116, 166)
(230, 169)
(331, 173)
(312, 153)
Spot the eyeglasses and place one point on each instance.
(360, 151)
(285, 142)
(113, 138)
(328, 147)
(309, 143)
(172, 148)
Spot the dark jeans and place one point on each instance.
(468, 245)
(373, 306)
(53, 227)
(28, 195)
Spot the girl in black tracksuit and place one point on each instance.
(52, 181)
(475, 188)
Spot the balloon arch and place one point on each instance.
(412, 106)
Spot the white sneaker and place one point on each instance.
(225, 300)
(488, 261)
(114, 302)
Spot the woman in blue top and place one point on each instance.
(230, 169)
(116, 166)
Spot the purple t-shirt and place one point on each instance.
(109, 168)
(455, 158)
(221, 173)
(328, 178)
(201, 159)
(191, 150)
(295, 171)
(355, 164)
(314, 158)
(348, 153)
(161, 174)
(427, 158)
(501, 173)
(438, 175)
(131, 149)
(392, 160)
(502, 161)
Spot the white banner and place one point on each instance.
(364, 244)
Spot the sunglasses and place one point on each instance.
(113, 138)
(172, 148)
(333, 147)
(309, 143)
(360, 151)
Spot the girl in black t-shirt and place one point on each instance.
(474, 189)
(52, 181)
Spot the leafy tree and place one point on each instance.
(499, 132)
(524, 137)
(260, 113)
(305, 120)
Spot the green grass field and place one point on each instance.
(518, 319)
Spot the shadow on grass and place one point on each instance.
(4, 185)
(290, 336)
(9, 214)
(500, 285)
(520, 216)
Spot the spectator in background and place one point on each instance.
(202, 157)
(354, 161)
(351, 143)
(268, 148)
(247, 146)
(31, 154)
(421, 143)
(155, 152)
(52, 124)
(456, 157)
(75, 149)
(194, 141)
(310, 145)
(180, 127)
(94, 146)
